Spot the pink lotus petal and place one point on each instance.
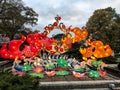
(15, 73)
(20, 73)
(50, 73)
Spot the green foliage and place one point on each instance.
(11, 82)
(104, 25)
(14, 15)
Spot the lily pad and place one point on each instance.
(62, 63)
(96, 63)
(40, 75)
(62, 73)
(94, 74)
(26, 68)
(49, 67)
(79, 70)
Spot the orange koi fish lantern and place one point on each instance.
(95, 50)
(79, 34)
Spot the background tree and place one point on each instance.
(104, 25)
(14, 15)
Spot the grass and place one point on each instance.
(11, 82)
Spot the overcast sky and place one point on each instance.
(73, 12)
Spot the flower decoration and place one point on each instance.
(78, 75)
(50, 73)
(102, 73)
(38, 69)
(19, 73)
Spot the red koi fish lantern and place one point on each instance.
(3, 52)
(14, 45)
(34, 49)
(30, 51)
(29, 38)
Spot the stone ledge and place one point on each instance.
(79, 84)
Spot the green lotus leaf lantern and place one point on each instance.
(80, 70)
(94, 74)
(99, 62)
(62, 73)
(40, 75)
(26, 68)
(49, 67)
(96, 63)
(62, 63)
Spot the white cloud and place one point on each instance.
(73, 12)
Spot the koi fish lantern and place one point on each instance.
(3, 51)
(13, 50)
(30, 51)
(86, 52)
(95, 50)
(35, 38)
(79, 34)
